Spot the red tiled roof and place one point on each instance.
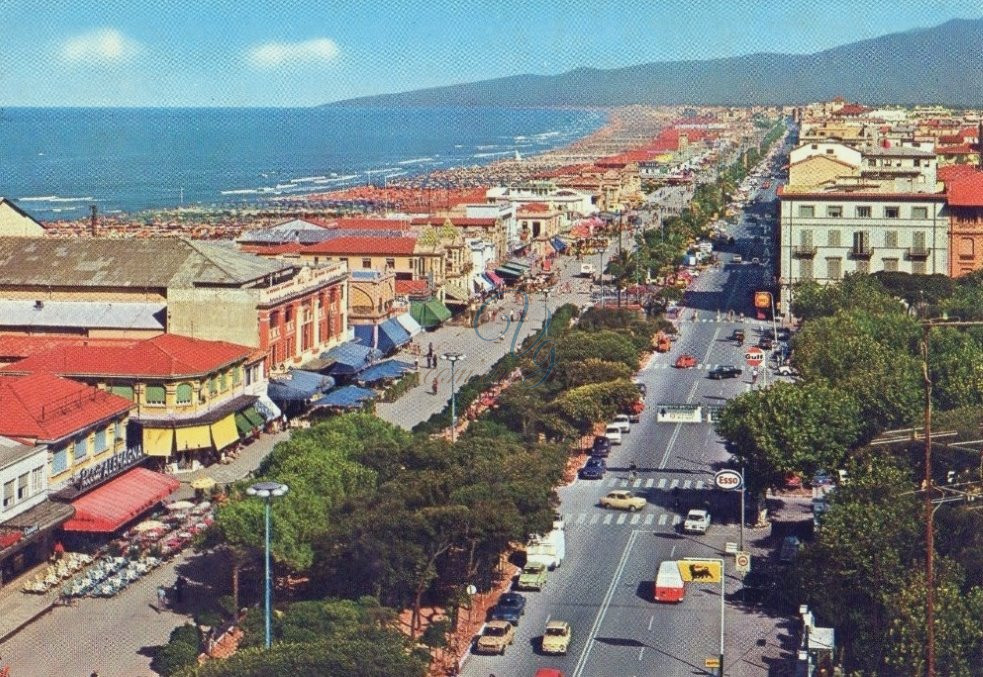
(945, 173)
(966, 191)
(961, 149)
(271, 249)
(411, 286)
(18, 347)
(534, 208)
(357, 245)
(167, 355)
(950, 138)
(370, 224)
(42, 406)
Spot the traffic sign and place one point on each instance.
(742, 562)
(728, 479)
(754, 356)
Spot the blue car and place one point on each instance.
(594, 469)
(509, 608)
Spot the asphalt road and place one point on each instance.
(604, 588)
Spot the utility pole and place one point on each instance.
(621, 254)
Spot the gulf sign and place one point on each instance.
(728, 479)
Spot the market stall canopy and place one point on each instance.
(559, 245)
(384, 370)
(351, 358)
(110, 506)
(494, 278)
(346, 397)
(407, 322)
(429, 313)
(298, 385)
(387, 337)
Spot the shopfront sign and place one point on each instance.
(114, 465)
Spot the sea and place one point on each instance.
(56, 162)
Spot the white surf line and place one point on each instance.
(579, 668)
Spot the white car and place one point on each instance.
(613, 433)
(786, 370)
(623, 422)
(697, 522)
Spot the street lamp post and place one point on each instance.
(453, 357)
(267, 491)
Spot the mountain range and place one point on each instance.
(942, 64)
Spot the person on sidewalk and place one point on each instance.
(161, 598)
(435, 384)
(179, 586)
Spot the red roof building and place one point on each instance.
(965, 198)
(360, 246)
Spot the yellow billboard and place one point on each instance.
(700, 570)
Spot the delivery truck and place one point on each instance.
(549, 549)
(669, 586)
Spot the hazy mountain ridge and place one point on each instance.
(942, 64)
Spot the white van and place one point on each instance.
(613, 433)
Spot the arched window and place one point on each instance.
(156, 394)
(184, 393)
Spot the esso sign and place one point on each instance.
(728, 479)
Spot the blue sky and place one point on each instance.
(306, 52)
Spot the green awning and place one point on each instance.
(429, 313)
(254, 417)
(244, 426)
(456, 291)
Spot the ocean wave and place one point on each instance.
(487, 147)
(382, 171)
(241, 191)
(55, 198)
(335, 179)
(502, 152)
(415, 161)
(308, 179)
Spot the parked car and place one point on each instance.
(642, 388)
(496, 636)
(623, 422)
(738, 335)
(601, 447)
(556, 637)
(532, 576)
(594, 469)
(613, 433)
(724, 371)
(685, 361)
(737, 258)
(548, 672)
(623, 500)
(697, 522)
(786, 370)
(635, 411)
(789, 549)
(510, 607)
(766, 343)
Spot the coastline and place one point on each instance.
(624, 127)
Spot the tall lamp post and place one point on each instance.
(453, 357)
(268, 491)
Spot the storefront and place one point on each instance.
(114, 504)
(29, 538)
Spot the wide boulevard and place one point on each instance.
(604, 588)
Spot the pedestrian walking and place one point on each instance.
(430, 349)
(161, 598)
(416, 364)
(511, 316)
(179, 585)
(435, 384)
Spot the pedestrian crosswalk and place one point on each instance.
(658, 517)
(652, 483)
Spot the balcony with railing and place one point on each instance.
(919, 252)
(861, 251)
(804, 251)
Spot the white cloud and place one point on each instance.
(102, 45)
(273, 54)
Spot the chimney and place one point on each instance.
(93, 223)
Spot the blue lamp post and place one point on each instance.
(268, 491)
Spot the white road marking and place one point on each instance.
(621, 518)
(635, 519)
(594, 518)
(649, 482)
(612, 482)
(622, 484)
(648, 518)
(608, 518)
(640, 652)
(676, 519)
(651, 621)
(687, 484)
(662, 483)
(581, 662)
(636, 484)
(699, 484)
(662, 519)
(674, 484)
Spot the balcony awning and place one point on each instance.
(195, 437)
(158, 441)
(120, 500)
(224, 432)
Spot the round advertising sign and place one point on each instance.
(728, 479)
(754, 356)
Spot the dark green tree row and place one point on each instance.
(861, 355)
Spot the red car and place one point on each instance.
(685, 361)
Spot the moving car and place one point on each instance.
(532, 576)
(623, 422)
(697, 522)
(623, 500)
(613, 433)
(724, 371)
(495, 637)
(669, 586)
(556, 637)
(594, 469)
(685, 361)
(601, 447)
(510, 607)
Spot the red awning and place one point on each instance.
(120, 500)
(496, 280)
